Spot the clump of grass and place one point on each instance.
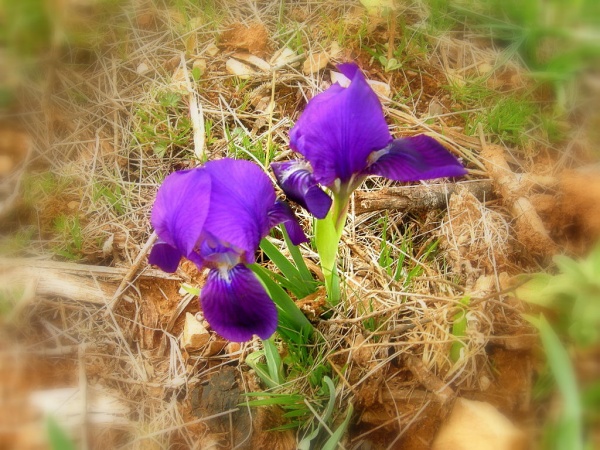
(162, 125)
(509, 117)
(70, 237)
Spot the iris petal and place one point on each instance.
(241, 196)
(339, 128)
(237, 306)
(181, 207)
(300, 186)
(280, 212)
(415, 158)
(165, 256)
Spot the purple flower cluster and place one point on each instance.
(217, 214)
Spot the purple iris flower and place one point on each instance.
(344, 138)
(215, 216)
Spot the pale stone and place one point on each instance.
(382, 89)
(212, 50)
(315, 62)
(339, 78)
(239, 69)
(142, 68)
(476, 425)
(485, 68)
(284, 57)
(195, 335)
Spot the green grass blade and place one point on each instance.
(331, 403)
(303, 270)
(459, 328)
(261, 369)
(336, 437)
(57, 436)
(569, 431)
(295, 282)
(290, 315)
(273, 361)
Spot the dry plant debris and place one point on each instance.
(95, 138)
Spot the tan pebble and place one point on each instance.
(493, 431)
(200, 64)
(315, 62)
(195, 335)
(142, 68)
(212, 50)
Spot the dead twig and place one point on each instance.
(419, 197)
(112, 304)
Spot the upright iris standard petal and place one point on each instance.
(415, 158)
(165, 256)
(181, 208)
(241, 196)
(297, 181)
(280, 212)
(340, 128)
(236, 305)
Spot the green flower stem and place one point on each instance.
(328, 233)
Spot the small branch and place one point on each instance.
(82, 269)
(114, 301)
(196, 113)
(419, 197)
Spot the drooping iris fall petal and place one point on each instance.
(237, 306)
(165, 256)
(415, 158)
(339, 128)
(299, 184)
(280, 212)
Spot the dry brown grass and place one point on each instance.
(85, 124)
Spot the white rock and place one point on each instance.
(476, 425)
(195, 335)
(239, 69)
(340, 78)
(284, 56)
(212, 50)
(142, 68)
